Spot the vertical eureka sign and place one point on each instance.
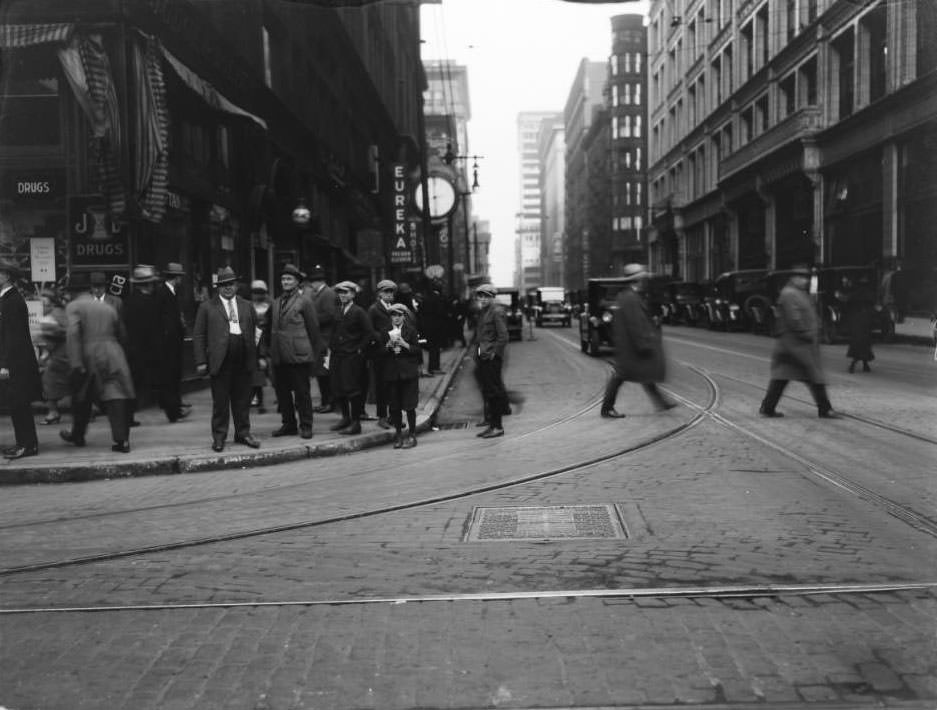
(400, 248)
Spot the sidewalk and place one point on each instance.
(159, 447)
(915, 329)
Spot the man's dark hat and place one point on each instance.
(290, 270)
(226, 275)
(173, 269)
(98, 278)
(12, 268)
(316, 273)
(800, 268)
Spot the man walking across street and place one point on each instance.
(171, 341)
(796, 354)
(225, 349)
(293, 342)
(491, 338)
(351, 338)
(326, 305)
(20, 381)
(99, 369)
(639, 353)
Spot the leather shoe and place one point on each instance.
(285, 431)
(492, 432)
(383, 423)
(612, 414)
(338, 426)
(18, 452)
(323, 409)
(770, 413)
(217, 445)
(829, 414)
(71, 438)
(306, 433)
(409, 442)
(181, 414)
(398, 441)
(121, 447)
(134, 422)
(353, 428)
(247, 441)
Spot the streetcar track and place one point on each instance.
(409, 505)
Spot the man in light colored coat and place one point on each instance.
(639, 352)
(796, 354)
(294, 345)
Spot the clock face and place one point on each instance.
(441, 196)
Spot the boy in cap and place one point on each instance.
(491, 338)
(380, 315)
(400, 371)
(351, 338)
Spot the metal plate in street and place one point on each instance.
(557, 522)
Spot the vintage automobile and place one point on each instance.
(509, 298)
(738, 301)
(906, 292)
(548, 305)
(598, 309)
(684, 302)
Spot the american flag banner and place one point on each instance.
(151, 130)
(12, 36)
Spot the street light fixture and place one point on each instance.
(449, 158)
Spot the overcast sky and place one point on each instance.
(521, 55)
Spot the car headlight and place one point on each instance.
(607, 317)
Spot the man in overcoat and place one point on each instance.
(351, 339)
(293, 342)
(99, 291)
(141, 317)
(639, 352)
(171, 343)
(224, 348)
(379, 313)
(20, 381)
(99, 369)
(491, 339)
(796, 354)
(326, 305)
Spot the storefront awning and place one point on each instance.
(209, 93)
(28, 35)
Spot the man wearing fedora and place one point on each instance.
(351, 339)
(144, 348)
(225, 349)
(326, 305)
(20, 381)
(796, 354)
(171, 343)
(293, 342)
(639, 351)
(99, 291)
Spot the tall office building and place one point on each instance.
(527, 229)
(551, 148)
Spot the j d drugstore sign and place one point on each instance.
(94, 239)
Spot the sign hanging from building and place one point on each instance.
(93, 237)
(42, 259)
(400, 251)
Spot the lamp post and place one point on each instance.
(449, 158)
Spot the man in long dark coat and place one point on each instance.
(796, 354)
(351, 339)
(379, 313)
(20, 381)
(639, 352)
(141, 319)
(491, 339)
(171, 343)
(434, 314)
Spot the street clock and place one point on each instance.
(442, 196)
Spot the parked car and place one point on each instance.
(685, 302)
(658, 298)
(510, 299)
(738, 301)
(906, 292)
(598, 310)
(548, 305)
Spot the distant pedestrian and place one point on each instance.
(434, 322)
(99, 370)
(401, 372)
(292, 341)
(860, 315)
(53, 360)
(351, 338)
(491, 339)
(20, 382)
(224, 348)
(380, 314)
(639, 351)
(260, 299)
(326, 303)
(796, 354)
(171, 343)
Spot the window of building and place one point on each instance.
(748, 51)
(268, 67)
(614, 95)
(807, 82)
(614, 127)
(875, 52)
(716, 70)
(628, 159)
(31, 114)
(613, 63)
(637, 127)
(763, 47)
(637, 94)
(727, 71)
(790, 20)
(788, 96)
(761, 114)
(926, 28)
(746, 125)
(626, 127)
(727, 146)
(637, 194)
(810, 11)
(627, 88)
(637, 158)
(691, 102)
(637, 62)
(845, 73)
(627, 193)
(627, 62)
(638, 223)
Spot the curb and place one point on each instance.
(198, 463)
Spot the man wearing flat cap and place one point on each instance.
(639, 350)
(293, 341)
(491, 339)
(20, 381)
(351, 339)
(379, 313)
(796, 354)
(172, 339)
(326, 304)
(225, 349)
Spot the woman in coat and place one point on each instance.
(54, 358)
(401, 372)
(860, 315)
(639, 352)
